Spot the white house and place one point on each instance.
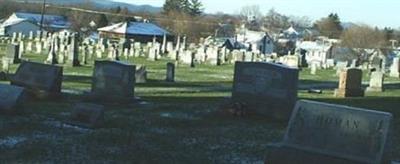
(318, 52)
(256, 41)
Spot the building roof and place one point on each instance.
(53, 21)
(135, 28)
(309, 45)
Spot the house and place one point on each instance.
(139, 31)
(290, 34)
(315, 51)
(26, 22)
(255, 41)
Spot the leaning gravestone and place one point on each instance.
(266, 88)
(113, 80)
(10, 98)
(350, 83)
(38, 77)
(376, 82)
(334, 134)
(87, 115)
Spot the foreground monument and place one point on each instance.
(334, 134)
(266, 88)
(113, 81)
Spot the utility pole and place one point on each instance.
(42, 19)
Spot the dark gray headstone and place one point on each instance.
(113, 79)
(10, 97)
(87, 115)
(267, 88)
(337, 131)
(13, 53)
(37, 76)
(170, 72)
(141, 75)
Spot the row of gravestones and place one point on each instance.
(111, 82)
(317, 132)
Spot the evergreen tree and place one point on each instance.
(102, 20)
(196, 8)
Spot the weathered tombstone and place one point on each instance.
(376, 82)
(10, 98)
(113, 80)
(38, 77)
(313, 68)
(267, 88)
(350, 83)
(334, 134)
(87, 115)
(170, 72)
(13, 53)
(395, 68)
(340, 66)
(141, 75)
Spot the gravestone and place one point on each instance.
(340, 66)
(350, 83)
(13, 53)
(266, 88)
(376, 82)
(377, 63)
(141, 75)
(395, 68)
(170, 72)
(87, 115)
(334, 134)
(38, 77)
(10, 98)
(313, 68)
(74, 51)
(113, 80)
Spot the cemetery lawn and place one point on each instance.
(177, 122)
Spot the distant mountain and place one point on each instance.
(347, 25)
(104, 4)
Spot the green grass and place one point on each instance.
(179, 123)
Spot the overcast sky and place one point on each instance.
(373, 12)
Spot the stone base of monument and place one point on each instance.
(343, 93)
(279, 154)
(374, 89)
(109, 99)
(87, 116)
(34, 94)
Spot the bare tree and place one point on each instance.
(363, 36)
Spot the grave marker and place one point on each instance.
(267, 88)
(327, 133)
(10, 98)
(87, 115)
(38, 77)
(113, 80)
(350, 83)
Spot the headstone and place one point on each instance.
(38, 77)
(340, 66)
(113, 80)
(10, 98)
(87, 115)
(170, 72)
(13, 53)
(73, 51)
(377, 63)
(267, 88)
(314, 68)
(141, 75)
(395, 68)
(350, 83)
(376, 82)
(334, 134)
